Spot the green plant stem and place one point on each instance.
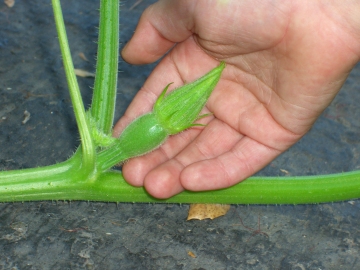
(87, 145)
(104, 96)
(47, 184)
(109, 158)
(37, 183)
(260, 190)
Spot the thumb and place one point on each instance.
(161, 26)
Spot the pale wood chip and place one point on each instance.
(284, 171)
(135, 4)
(9, 3)
(27, 116)
(191, 254)
(83, 57)
(83, 73)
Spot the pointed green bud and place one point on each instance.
(172, 114)
(178, 110)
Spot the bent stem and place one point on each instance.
(76, 99)
(81, 177)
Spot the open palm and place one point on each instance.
(286, 61)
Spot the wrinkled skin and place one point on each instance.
(286, 61)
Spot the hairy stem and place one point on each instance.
(104, 96)
(87, 145)
(111, 187)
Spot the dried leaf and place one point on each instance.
(83, 73)
(9, 3)
(203, 211)
(192, 255)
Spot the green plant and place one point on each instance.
(87, 175)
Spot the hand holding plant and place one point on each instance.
(269, 95)
(286, 61)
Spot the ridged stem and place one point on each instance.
(104, 96)
(111, 187)
(87, 145)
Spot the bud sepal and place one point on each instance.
(178, 110)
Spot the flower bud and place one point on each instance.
(178, 110)
(172, 114)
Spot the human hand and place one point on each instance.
(286, 61)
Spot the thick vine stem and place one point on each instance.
(110, 186)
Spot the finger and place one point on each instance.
(214, 140)
(161, 26)
(163, 181)
(136, 169)
(248, 157)
(165, 184)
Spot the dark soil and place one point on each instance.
(86, 235)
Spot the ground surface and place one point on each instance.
(82, 235)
